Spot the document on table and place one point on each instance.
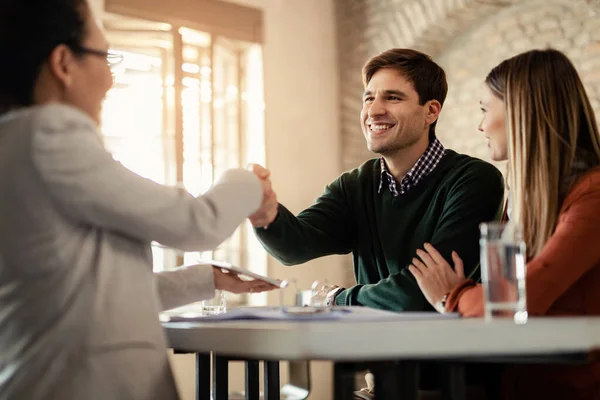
(342, 314)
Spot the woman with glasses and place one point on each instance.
(79, 303)
(537, 116)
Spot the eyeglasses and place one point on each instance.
(113, 59)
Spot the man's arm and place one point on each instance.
(474, 198)
(323, 229)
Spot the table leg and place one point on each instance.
(220, 378)
(387, 382)
(407, 381)
(252, 386)
(454, 386)
(202, 376)
(343, 381)
(271, 380)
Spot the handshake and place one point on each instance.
(267, 212)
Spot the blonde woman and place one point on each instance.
(538, 116)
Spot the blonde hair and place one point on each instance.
(551, 130)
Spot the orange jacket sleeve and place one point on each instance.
(572, 251)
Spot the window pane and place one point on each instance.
(222, 110)
(133, 124)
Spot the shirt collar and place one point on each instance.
(423, 167)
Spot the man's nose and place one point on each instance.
(377, 108)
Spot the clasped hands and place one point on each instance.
(262, 217)
(267, 212)
(230, 281)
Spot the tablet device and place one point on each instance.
(246, 272)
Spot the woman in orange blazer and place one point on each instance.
(536, 114)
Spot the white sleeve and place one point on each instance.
(90, 186)
(185, 285)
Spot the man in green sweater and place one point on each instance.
(416, 192)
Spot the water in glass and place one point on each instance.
(503, 266)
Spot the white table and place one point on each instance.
(558, 339)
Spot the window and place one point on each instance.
(185, 107)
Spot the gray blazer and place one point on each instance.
(78, 300)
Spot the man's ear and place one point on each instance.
(433, 109)
(60, 64)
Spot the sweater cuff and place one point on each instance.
(250, 187)
(456, 293)
(340, 299)
(185, 285)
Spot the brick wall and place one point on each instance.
(468, 38)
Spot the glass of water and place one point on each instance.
(319, 291)
(503, 266)
(216, 305)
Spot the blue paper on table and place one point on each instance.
(343, 314)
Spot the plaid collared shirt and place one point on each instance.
(423, 167)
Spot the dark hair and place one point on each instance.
(428, 78)
(29, 31)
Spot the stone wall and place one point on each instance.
(466, 37)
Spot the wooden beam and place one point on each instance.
(212, 16)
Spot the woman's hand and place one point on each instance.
(230, 282)
(435, 276)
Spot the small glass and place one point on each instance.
(304, 298)
(503, 267)
(307, 302)
(320, 289)
(216, 305)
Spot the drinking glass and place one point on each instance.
(320, 289)
(216, 305)
(503, 267)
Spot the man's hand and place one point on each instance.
(232, 283)
(267, 212)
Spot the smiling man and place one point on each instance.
(415, 192)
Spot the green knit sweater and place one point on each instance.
(383, 232)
